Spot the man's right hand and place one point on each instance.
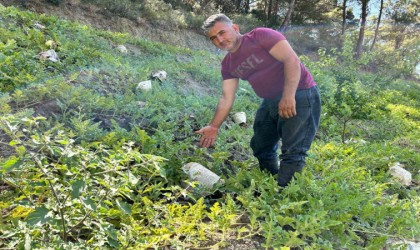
(208, 136)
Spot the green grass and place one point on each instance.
(90, 162)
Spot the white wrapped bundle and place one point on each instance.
(199, 173)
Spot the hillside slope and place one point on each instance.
(75, 10)
(89, 160)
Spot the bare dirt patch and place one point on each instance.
(5, 150)
(196, 87)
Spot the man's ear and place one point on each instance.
(235, 27)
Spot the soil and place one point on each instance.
(5, 150)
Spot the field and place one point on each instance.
(90, 161)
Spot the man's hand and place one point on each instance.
(287, 107)
(208, 136)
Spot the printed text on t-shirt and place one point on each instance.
(248, 64)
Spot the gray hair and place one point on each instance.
(213, 19)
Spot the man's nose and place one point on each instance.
(219, 38)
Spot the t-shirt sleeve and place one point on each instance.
(225, 74)
(267, 38)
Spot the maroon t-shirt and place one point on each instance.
(253, 62)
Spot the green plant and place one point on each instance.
(66, 188)
(87, 161)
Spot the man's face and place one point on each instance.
(225, 36)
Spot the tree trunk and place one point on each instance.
(276, 6)
(343, 26)
(246, 9)
(359, 47)
(377, 25)
(400, 34)
(269, 9)
(286, 20)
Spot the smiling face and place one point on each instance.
(225, 36)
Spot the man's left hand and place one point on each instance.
(287, 107)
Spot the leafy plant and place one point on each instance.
(67, 188)
(88, 161)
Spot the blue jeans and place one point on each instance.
(296, 134)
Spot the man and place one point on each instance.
(291, 104)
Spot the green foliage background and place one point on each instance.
(89, 161)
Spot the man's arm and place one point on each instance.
(209, 132)
(283, 52)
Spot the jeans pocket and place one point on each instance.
(303, 98)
